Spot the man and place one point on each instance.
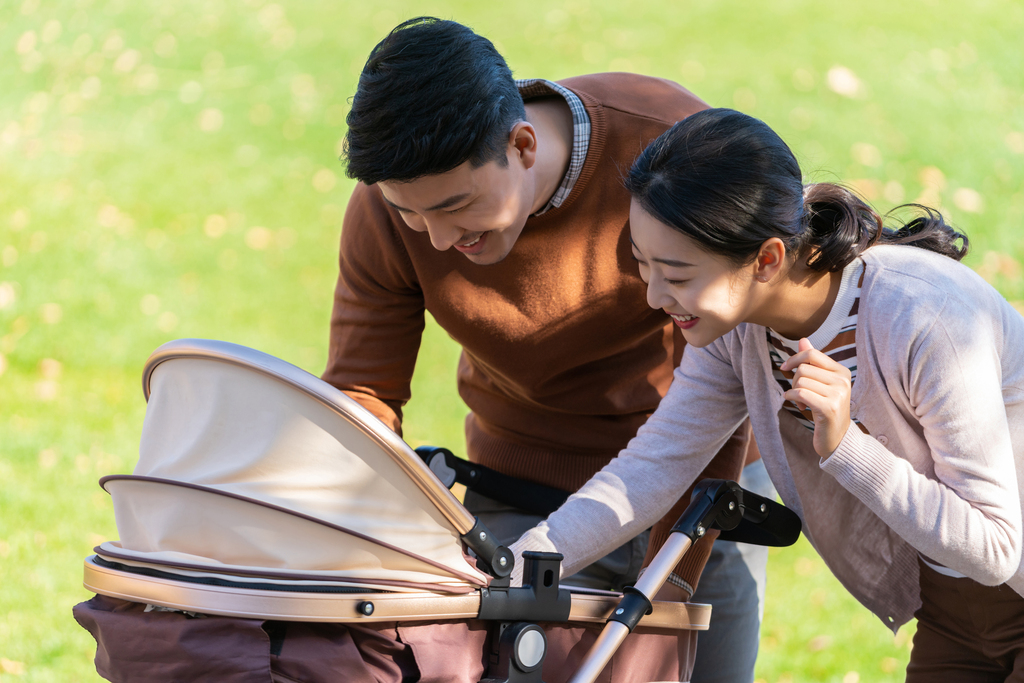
(498, 207)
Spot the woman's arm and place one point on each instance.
(969, 519)
(703, 408)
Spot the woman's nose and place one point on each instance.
(657, 297)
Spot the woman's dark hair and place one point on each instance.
(432, 96)
(727, 181)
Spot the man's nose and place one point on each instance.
(443, 234)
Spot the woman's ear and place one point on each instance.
(771, 258)
(522, 140)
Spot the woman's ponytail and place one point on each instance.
(929, 231)
(841, 225)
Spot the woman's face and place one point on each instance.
(706, 295)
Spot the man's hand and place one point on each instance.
(823, 385)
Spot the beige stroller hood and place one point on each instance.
(251, 468)
(275, 530)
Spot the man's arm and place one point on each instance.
(377, 320)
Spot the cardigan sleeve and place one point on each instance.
(968, 517)
(703, 407)
(378, 316)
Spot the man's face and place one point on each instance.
(477, 211)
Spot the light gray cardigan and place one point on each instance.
(940, 388)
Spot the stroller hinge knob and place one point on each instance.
(365, 608)
(700, 530)
(732, 505)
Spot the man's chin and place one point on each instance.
(486, 258)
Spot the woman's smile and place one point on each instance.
(684, 322)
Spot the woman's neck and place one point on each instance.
(801, 301)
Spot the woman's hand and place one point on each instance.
(823, 385)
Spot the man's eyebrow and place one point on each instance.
(451, 201)
(392, 204)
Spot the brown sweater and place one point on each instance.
(563, 359)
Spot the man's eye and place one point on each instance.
(451, 211)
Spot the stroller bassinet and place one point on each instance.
(275, 530)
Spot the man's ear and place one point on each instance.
(522, 142)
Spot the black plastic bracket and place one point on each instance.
(632, 608)
(494, 558)
(714, 504)
(539, 599)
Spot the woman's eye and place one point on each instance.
(455, 210)
(677, 282)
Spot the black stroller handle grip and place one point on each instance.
(525, 495)
(740, 515)
(764, 522)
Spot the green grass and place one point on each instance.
(169, 169)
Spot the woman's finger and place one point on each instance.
(808, 355)
(839, 376)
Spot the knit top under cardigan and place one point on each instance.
(940, 390)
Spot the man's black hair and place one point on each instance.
(432, 96)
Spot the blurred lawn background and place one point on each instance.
(169, 169)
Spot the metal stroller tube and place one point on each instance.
(715, 504)
(647, 585)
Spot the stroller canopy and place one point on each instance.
(251, 468)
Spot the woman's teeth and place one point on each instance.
(683, 318)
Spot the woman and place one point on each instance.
(882, 378)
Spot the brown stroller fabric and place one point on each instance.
(262, 500)
(164, 647)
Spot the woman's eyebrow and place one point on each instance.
(667, 262)
(672, 262)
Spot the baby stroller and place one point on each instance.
(274, 530)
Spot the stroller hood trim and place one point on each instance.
(155, 558)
